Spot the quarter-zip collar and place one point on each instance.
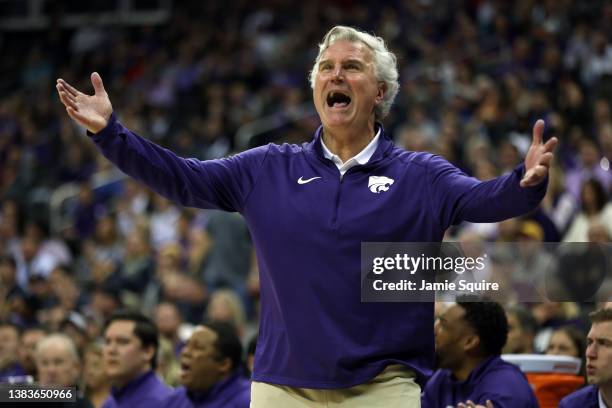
(315, 148)
(360, 158)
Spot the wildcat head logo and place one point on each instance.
(376, 184)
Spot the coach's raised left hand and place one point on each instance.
(539, 157)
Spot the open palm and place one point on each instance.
(90, 111)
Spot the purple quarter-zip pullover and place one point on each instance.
(587, 397)
(494, 379)
(144, 391)
(308, 224)
(233, 392)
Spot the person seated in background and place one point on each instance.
(522, 327)
(566, 341)
(598, 365)
(469, 337)
(9, 345)
(225, 306)
(212, 374)
(95, 380)
(29, 339)
(130, 357)
(168, 320)
(58, 364)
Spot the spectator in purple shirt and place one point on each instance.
(469, 338)
(598, 365)
(212, 373)
(130, 354)
(310, 207)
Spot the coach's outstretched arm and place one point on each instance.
(91, 112)
(221, 183)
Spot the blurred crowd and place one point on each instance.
(475, 75)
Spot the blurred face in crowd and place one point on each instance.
(27, 351)
(562, 345)
(125, 357)
(518, 341)
(599, 354)
(57, 365)
(9, 341)
(7, 274)
(201, 366)
(93, 369)
(346, 88)
(167, 319)
(451, 336)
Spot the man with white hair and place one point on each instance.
(310, 207)
(57, 361)
(58, 364)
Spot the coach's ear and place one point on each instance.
(382, 90)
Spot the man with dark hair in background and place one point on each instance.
(212, 374)
(29, 339)
(469, 338)
(130, 354)
(9, 345)
(522, 328)
(598, 365)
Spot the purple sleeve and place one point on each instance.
(457, 197)
(222, 183)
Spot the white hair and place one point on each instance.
(59, 339)
(385, 63)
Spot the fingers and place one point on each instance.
(96, 81)
(534, 176)
(469, 404)
(69, 88)
(550, 145)
(538, 131)
(489, 404)
(76, 115)
(546, 159)
(67, 99)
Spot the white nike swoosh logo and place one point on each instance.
(300, 181)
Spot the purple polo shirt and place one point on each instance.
(233, 392)
(307, 226)
(494, 379)
(144, 391)
(586, 397)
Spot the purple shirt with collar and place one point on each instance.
(314, 331)
(233, 392)
(144, 391)
(587, 397)
(494, 379)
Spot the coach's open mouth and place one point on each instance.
(336, 99)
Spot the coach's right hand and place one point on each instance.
(91, 112)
